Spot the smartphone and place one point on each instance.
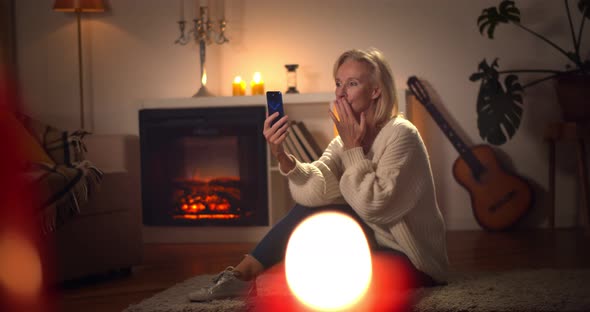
(274, 102)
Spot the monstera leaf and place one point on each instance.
(491, 17)
(499, 108)
(499, 103)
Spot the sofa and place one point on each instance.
(86, 194)
(106, 233)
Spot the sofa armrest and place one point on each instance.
(117, 156)
(113, 152)
(117, 191)
(107, 233)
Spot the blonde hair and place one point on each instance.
(381, 75)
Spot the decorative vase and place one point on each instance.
(573, 96)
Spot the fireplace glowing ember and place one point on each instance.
(207, 216)
(217, 198)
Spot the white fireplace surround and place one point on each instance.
(310, 108)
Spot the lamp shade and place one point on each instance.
(79, 6)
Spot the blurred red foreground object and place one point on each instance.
(389, 290)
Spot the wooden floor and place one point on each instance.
(167, 264)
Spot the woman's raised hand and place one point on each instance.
(276, 134)
(350, 130)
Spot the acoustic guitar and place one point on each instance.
(499, 198)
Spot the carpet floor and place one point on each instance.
(518, 290)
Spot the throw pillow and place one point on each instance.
(27, 146)
(62, 146)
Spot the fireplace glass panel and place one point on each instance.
(204, 167)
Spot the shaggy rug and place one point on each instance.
(519, 290)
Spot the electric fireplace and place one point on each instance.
(203, 166)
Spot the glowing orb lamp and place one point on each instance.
(328, 262)
(20, 265)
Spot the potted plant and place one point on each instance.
(499, 106)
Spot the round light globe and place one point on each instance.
(328, 262)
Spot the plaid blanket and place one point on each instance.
(60, 190)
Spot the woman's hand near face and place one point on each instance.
(350, 130)
(275, 136)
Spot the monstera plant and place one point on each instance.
(500, 102)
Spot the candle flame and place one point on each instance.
(238, 79)
(204, 78)
(257, 77)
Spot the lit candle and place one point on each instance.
(238, 86)
(182, 10)
(257, 84)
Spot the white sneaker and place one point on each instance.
(225, 285)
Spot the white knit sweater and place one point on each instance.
(391, 188)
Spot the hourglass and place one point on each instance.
(292, 78)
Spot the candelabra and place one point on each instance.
(203, 33)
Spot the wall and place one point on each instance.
(7, 40)
(130, 56)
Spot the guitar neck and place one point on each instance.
(458, 144)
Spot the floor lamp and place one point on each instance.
(79, 7)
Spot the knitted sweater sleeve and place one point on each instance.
(316, 184)
(384, 190)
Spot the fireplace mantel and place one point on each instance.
(215, 101)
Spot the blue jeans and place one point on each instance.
(273, 246)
